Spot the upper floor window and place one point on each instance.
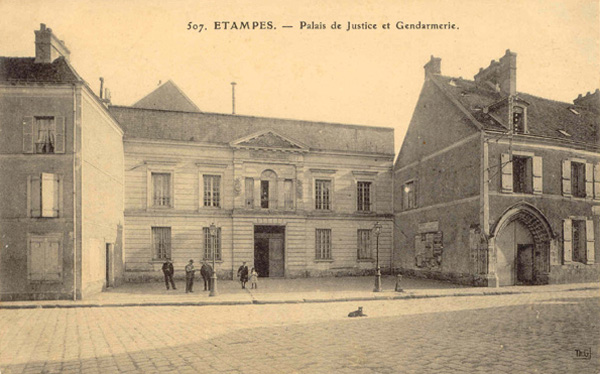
(44, 195)
(288, 194)
(322, 194)
(268, 189)
(161, 243)
(264, 194)
(161, 190)
(522, 174)
(581, 179)
(44, 134)
(578, 179)
(409, 195)
(518, 120)
(212, 191)
(363, 196)
(212, 243)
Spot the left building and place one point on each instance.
(61, 211)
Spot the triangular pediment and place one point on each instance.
(167, 96)
(271, 140)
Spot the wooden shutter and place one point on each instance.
(567, 241)
(57, 196)
(35, 196)
(537, 175)
(589, 232)
(28, 138)
(566, 177)
(35, 259)
(52, 260)
(48, 195)
(507, 173)
(589, 180)
(597, 181)
(59, 135)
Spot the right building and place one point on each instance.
(494, 187)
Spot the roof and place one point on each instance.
(25, 69)
(167, 96)
(546, 118)
(224, 129)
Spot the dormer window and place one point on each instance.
(518, 120)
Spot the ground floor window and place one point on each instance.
(579, 241)
(364, 245)
(161, 243)
(323, 244)
(212, 243)
(44, 257)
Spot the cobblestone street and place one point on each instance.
(530, 333)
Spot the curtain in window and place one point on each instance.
(45, 135)
(162, 189)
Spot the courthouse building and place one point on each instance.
(498, 187)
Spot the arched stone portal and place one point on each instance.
(522, 239)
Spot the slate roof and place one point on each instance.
(167, 96)
(544, 117)
(24, 69)
(223, 129)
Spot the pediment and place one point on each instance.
(269, 139)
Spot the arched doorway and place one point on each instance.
(522, 243)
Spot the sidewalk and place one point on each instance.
(279, 291)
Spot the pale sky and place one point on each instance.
(367, 77)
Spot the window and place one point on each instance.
(364, 244)
(249, 193)
(363, 196)
(212, 191)
(288, 194)
(578, 179)
(579, 241)
(44, 195)
(44, 258)
(518, 120)
(522, 174)
(264, 194)
(322, 194)
(44, 134)
(323, 244)
(409, 197)
(161, 242)
(161, 189)
(211, 243)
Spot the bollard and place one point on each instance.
(398, 279)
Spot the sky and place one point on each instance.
(368, 77)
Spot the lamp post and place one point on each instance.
(377, 230)
(213, 279)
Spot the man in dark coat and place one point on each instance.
(168, 271)
(206, 272)
(243, 274)
(189, 276)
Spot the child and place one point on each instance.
(253, 279)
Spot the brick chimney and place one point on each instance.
(48, 47)
(502, 74)
(434, 66)
(590, 100)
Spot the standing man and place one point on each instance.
(168, 271)
(189, 276)
(243, 274)
(206, 272)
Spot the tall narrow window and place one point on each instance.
(409, 195)
(322, 194)
(522, 174)
(161, 242)
(264, 194)
(364, 244)
(212, 191)
(212, 243)
(161, 183)
(323, 244)
(44, 195)
(288, 189)
(518, 120)
(45, 137)
(578, 179)
(249, 193)
(579, 241)
(363, 194)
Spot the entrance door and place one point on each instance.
(269, 257)
(512, 237)
(525, 263)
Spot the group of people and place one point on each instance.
(206, 272)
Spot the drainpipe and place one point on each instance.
(74, 142)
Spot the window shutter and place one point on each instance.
(57, 196)
(507, 173)
(589, 232)
(597, 181)
(567, 241)
(35, 259)
(566, 177)
(35, 196)
(28, 141)
(537, 175)
(59, 138)
(52, 261)
(48, 203)
(589, 180)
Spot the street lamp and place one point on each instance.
(213, 281)
(377, 230)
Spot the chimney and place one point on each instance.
(590, 100)
(48, 47)
(434, 66)
(502, 73)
